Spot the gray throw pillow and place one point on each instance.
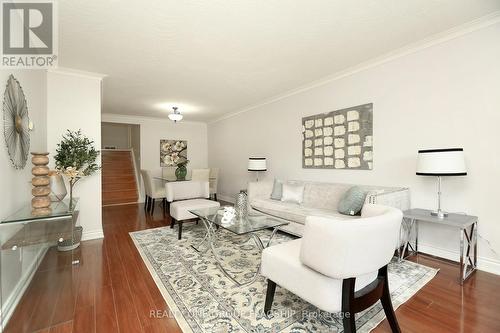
(352, 201)
(277, 190)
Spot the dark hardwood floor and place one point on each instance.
(112, 291)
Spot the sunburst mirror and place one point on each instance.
(16, 123)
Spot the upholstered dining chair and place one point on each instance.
(200, 175)
(153, 190)
(147, 190)
(213, 180)
(338, 266)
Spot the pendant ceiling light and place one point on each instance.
(176, 115)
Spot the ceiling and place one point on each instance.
(216, 57)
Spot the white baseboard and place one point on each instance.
(10, 304)
(226, 198)
(93, 234)
(489, 265)
(485, 264)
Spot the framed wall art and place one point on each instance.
(173, 152)
(341, 139)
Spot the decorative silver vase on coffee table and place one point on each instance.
(241, 204)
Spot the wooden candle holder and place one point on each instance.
(41, 184)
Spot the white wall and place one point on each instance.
(152, 130)
(74, 102)
(19, 181)
(135, 144)
(115, 135)
(16, 189)
(445, 95)
(135, 141)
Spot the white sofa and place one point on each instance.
(320, 199)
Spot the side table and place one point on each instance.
(466, 225)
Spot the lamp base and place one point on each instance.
(439, 214)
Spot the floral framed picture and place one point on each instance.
(173, 153)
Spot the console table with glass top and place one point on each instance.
(217, 218)
(465, 224)
(28, 246)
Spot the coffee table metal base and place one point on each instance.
(210, 239)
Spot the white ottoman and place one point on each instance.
(179, 210)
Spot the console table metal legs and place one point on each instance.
(468, 241)
(408, 242)
(408, 238)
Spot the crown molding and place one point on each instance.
(135, 119)
(76, 72)
(442, 37)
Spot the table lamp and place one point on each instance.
(257, 164)
(441, 163)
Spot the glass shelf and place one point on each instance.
(33, 264)
(59, 210)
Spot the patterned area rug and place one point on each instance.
(203, 299)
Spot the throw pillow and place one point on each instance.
(277, 190)
(293, 193)
(352, 201)
(373, 193)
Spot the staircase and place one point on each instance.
(119, 184)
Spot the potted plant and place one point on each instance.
(75, 159)
(173, 157)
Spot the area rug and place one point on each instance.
(203, 299)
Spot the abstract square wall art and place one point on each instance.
(172, 152)
(341, 139)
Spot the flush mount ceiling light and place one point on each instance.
(176, 115)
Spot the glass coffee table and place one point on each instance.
(217, 218)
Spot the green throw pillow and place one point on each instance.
(352, 201)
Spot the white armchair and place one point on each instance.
(185, 196)
(338, 266)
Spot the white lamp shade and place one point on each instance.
(441, 162)
(257, 164)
